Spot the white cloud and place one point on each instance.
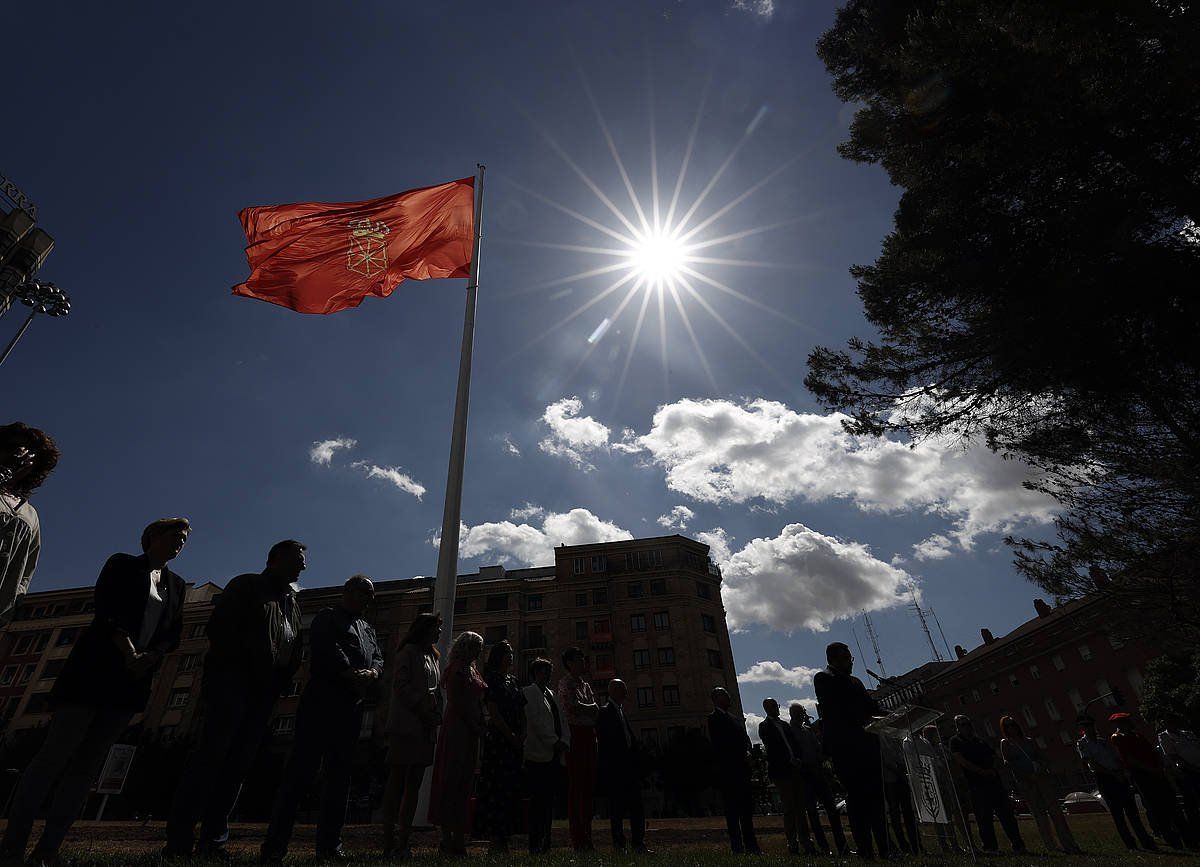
(719, 451)
(572, 436)
(718, 542)
(321, 452)
(761, 8)
(677, 518)
(804, 579)
(771, 671)
(395, 475)
(936, 547)
(524, 513)
(525, 544)
(510, 447)
(753, 721)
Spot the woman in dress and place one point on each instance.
(503, 748)
(1036, 786)
(458, 743)
(412, 727)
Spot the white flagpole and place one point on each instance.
(447, 570)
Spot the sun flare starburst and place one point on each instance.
(660, 247)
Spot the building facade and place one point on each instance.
(648, 611)
(1065, 661)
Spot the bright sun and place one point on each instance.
(658, 256)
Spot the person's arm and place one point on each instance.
(227, 625)
(297, 649)
(964, 762)
(376, 655)
(326, 656)
(410, 686)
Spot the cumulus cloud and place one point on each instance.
(394, 475)
(718, 542)
(771, 671)
(527, 544)
(804, 579)
(936, 547)
(510, 447)
(524, 513)
(762, 452)
(321, 452)
(677, 518)
(760, 8)
(571, 435)
(753, 721)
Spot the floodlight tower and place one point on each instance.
(23, 250)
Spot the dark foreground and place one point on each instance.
(675, 842)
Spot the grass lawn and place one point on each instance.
(675, 842)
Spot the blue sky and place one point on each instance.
(142, 135)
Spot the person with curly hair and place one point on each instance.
(27, 457)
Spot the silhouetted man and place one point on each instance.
(783, 767)
(106, 681)
(845, 708)
(731, 747)
(344, 661)
(988, 797)
(620, 769)
(815, 787)
(1102, 760)
(27, 457)
(253, 653)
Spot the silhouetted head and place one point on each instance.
(541, 670)
(839, 658)
(574, 661)
(27, 457)
(466, 648)
(1010, 728)
(500, 657)
(771, 707)
(720, 697)
(931, 734)
(286, 560)
(798, 713)
(164, 539)
(963, 725)
(424, 631)
(617, 690)
(357, 594)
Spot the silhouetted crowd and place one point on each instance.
(488, 738)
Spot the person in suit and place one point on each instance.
(27, 457)
(783, 768)
(253, 654)
(345, 662)
(412, 728)
(812, 777)
(105, 681)
(620, 769)
(547, 739)
(731, 748)
(845, 708)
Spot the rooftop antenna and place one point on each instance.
(916, 606)
(858, 644)
(949, 652)
(874, 641)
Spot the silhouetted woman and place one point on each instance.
(458, 743)
(412, 725)
(1036, 785)
(503, 748)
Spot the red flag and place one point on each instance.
(322, 258)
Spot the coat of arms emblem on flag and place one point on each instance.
(368, 247)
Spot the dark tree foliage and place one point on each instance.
(1172, 689)
(1039, 289)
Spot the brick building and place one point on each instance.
(1043, 673)
(647, 610)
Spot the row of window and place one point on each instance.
(598, 596)
(634, 561)
(36, 642)
(645, 696)
(58, 609)
(1104, 693)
